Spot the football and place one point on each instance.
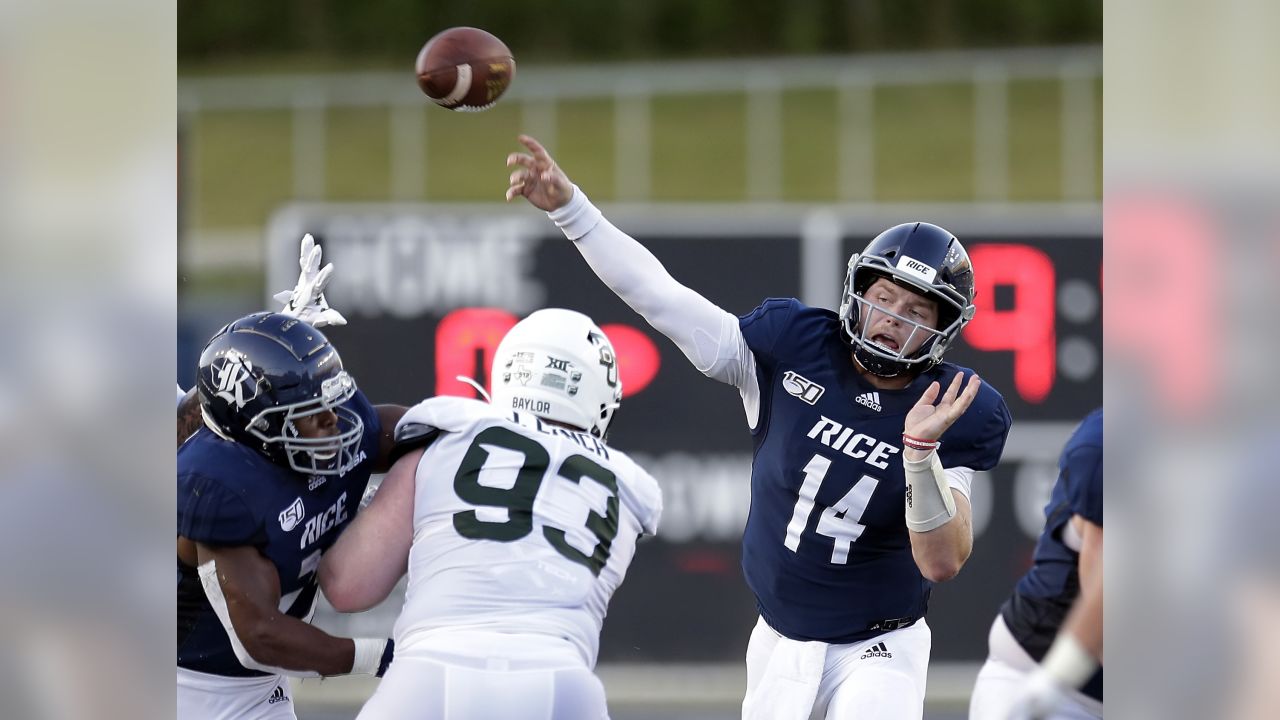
(465, 68)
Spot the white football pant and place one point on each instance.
(471, 675)
(1004, 676)
(881, 678)
(202, 696)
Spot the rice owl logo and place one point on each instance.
(233, 379)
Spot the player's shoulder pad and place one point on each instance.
(408, 438)
(446, 413)
(639, 491)
(210, 512)
(781, 327)
(977, 439)
(1089, 432)
(232, 465)
(423, 423)
(1081, 467)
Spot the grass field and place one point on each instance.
(239, 164)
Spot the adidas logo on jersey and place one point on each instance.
(871, 400)
(877, 650)
(277, 696)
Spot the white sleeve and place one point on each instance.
(707, 335)
(960, 478)
(181, 394)
(213, 591)
(643, 495)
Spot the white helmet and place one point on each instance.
(558, 365)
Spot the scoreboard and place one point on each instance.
(430, 290)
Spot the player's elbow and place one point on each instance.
(941, 566)
(261, 647)
(343, 591)
(938, 571)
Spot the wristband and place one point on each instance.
(929, 500)
(1068, 663)
(369, 658)
(916, 443)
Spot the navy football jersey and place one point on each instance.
(1043, 596)
(826, 548)
(230, 495)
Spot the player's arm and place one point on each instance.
(940, 553)
(1076, 652)
(938, 516)
(244, 589)
(372, 554)
(388, 416)
(1084, 622)
(189, 419)
(708, 335)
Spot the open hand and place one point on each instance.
(927, 421)
(537, 177)
(306, 300)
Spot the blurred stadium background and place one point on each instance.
(753, 146)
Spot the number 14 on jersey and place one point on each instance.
(841, 522)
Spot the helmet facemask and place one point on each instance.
(261, 377)
(334, 455)
(858, 316)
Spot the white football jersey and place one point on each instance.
(519, 526)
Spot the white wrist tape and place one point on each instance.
(368, 655)
(577, 217)
(1068, 663)
(929, 500)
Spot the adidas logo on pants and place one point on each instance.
(877, 650)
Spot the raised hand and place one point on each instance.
(306, 300)
(928, 421)
(537, 177)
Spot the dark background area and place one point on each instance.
(389, 31)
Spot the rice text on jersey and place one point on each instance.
(838, 437)
(324, 522)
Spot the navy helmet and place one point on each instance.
(262, 373)
(925, 259)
